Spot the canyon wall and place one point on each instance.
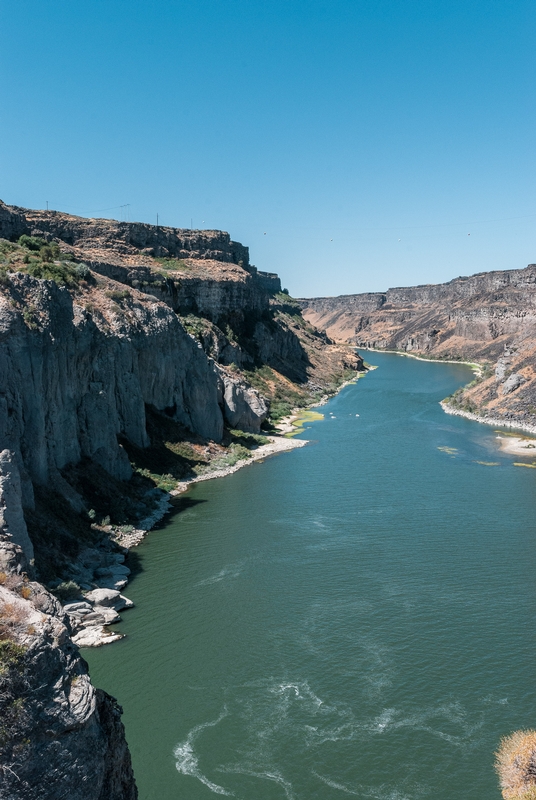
(59, 736)
(107, 329)
(489, 317)
(121, 238)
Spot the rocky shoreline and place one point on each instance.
(496, 422)
(91, 615)
(277, 444)
(488, 318)
(475, 366)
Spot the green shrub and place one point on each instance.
(235, 453)
(64, 273)
(68, 590)
(48, 253)
(42, 260)
(167, 482)
(280, 409)
(196, 326)
(30, 318)
(31, 242)
(172, 263)
(14, 687)
(11, 655)
(83, 271)
(118, 295)
(125, 528)
(251, 439)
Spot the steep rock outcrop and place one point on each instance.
(244, 408)
(472, 317)
(74, 379)
(60, 737)
(12, 522)
(200, 273)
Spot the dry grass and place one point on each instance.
(515, 763)
(12, 581)
(13, 618)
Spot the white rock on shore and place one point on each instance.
(89, 617)
(497, 423)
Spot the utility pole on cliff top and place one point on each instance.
(157, 220)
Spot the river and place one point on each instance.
(352, 618)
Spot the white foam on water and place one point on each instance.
(383, 721)
(343, 725)
(187, 762)
(229, 571)
(390, 719)
(269, 776)
(380, 671)
(301, 691)
(387, 794)
(375, 793)
(492, 700)
(335, 785)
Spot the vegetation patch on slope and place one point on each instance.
(40, 259)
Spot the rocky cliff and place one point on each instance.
(489, 318)
(59, 737)
(130, 355)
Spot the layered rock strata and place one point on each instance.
(489, 317)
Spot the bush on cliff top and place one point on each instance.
(516, 765)
(44, 260)
(172, 264)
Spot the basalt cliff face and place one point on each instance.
(59, 736)
(489, 318)
(126, 350)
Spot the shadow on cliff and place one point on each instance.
(173, 452)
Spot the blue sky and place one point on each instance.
(352, 146)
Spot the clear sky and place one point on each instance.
(352, 144)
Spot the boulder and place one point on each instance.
(512, 383)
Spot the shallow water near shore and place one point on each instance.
(352, 618)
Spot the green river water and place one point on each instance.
(353, 618)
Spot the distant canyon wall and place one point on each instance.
(489, 317)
